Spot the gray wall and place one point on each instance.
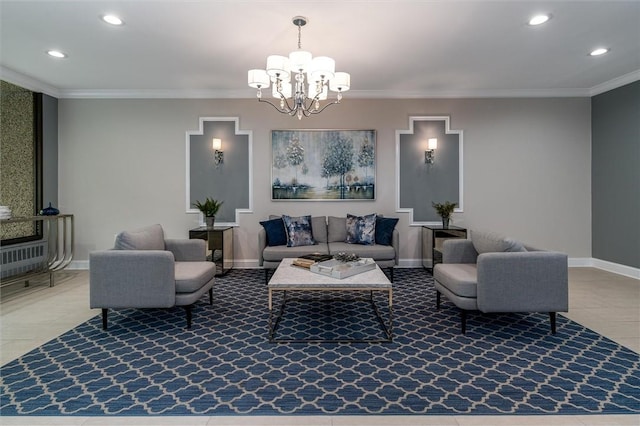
(49, 151)
(527, 170)
(616, 175)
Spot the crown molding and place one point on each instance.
(35, 85)
(615, 83)
(29, 83)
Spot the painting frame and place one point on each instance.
(323, 165)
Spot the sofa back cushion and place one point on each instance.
(337, 229)
(148, 238)
(490, 242)
(319, 227)
(299, 231)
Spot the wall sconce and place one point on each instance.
(429, 153)
(218, 155)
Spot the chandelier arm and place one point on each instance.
(275, 106)
(324, 107)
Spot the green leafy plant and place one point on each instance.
(444, 209)
(209, 207)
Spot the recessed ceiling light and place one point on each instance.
(56, 54)
(539, 19)
(112, 19)
(599, 51)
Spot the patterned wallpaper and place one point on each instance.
(17, 156)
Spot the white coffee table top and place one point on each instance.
(289, 276)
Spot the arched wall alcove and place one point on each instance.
(230, 181)
(418, 183)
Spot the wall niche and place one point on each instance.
(420, 183)
(229, 181)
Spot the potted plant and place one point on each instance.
(209, 208)
(444, 211)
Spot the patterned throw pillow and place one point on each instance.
(361, 229)
(299, 232)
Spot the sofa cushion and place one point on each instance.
(319, 227)
(337, 229)
(192, 276)
(361, 229)
(489, 242)
(376, 251)
(384, 229)
(276, 233)
(276, 254)
(460, 278)
(299, 231)
(148, 238)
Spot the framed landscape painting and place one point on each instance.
(323, 165)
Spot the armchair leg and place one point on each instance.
(188, 309)
(211, 296)
(552, 317)
(437, 299)
(463, 321)
(104, 318)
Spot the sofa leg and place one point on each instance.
(552, 317)
(188, 309)
(266, 276)
(211, 296)
(437, 299)
(463, 321)
(104, 318)
(391, 273)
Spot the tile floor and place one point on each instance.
(605, 302)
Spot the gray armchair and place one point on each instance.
(144, 270)
(494, 274)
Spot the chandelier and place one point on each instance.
(300, 81)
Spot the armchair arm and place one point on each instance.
(458, 251)
(132, 279)
(523, 282)
(262, 243)
(187, 250)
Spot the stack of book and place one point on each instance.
(309, 259)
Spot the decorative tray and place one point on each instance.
(336, 269)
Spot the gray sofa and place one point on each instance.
(330, 234)
(492, 273)
(145, 270)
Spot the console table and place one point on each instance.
(57, 237)
(432, 238)
(219, 245)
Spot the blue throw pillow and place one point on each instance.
(361, 229)
(299, 231)
(276, 234)
(384, 229)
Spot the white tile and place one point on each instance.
(147, 421)
(269, 421)
(44, 421)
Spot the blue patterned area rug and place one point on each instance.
(147, 363)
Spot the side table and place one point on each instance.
(432, 238)
(219, 245)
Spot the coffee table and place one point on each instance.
(292, 278)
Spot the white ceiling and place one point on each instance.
(391, 48)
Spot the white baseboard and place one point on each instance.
(575, 262)
(616, 268)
